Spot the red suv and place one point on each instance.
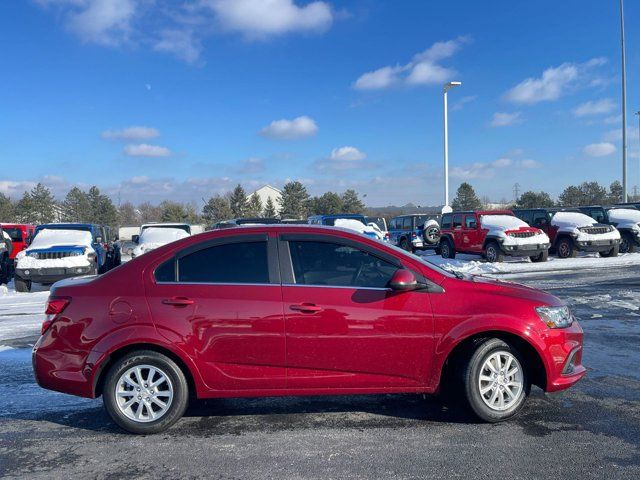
(297, 310)
(492, 234)
(19, 234)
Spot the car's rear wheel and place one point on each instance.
(21, 285)
(542, 257)
(145, 392)
(611, 253)
(566, 248)
(493, 253)
(495, 380)
(446, 249)
(627, 243)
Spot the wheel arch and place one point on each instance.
(117, 354)
(491, 238)
(560, 236)
(534, 362)
(446, 237)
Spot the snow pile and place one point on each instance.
(3, 290)
(358, 226)
(49, 238)
(154, 237)
(625, 217)
(501, 222)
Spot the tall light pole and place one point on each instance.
(624, 107)
(447, 87)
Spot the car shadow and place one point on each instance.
(214, 417)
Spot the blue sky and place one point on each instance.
(156, 99)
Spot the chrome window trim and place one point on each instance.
(380, 289)
(222, 284)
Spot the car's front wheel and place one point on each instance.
(495, 380)
(611, 253)
(493, 253)
(446, 249)
(145, 392)
(627, 243)
(22, 286)
(541, 257)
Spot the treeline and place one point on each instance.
(587, 193)
(39, 206)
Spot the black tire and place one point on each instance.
(470, 380)
(161, 362)
(447, 250)
(542, 257)
(22, 286)
(611, 253)
(406, 245)
(431, 234)
(566, 248)
(493, 253)
(627, 243)
(4, 270)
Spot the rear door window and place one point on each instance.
(446, 221)
(245, 262)
(407, 223)
(457, 220)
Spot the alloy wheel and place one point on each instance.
(501, 381)
(144, 393)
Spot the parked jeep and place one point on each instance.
(349, 221)
(155, 235)
(58, 251)
(492, 234)
(414, 232)
(571, 231)
(6, 248)
(627, 222)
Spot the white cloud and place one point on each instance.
(105, 22)
(484, 170)
(553, 83)
(602, 149)
(349, 154)
(504, 119)
(131, 133)
(145, 150)
(423, 69)
(597, 107)
(260, 19)
(300, 127)
(252, 165)
(180, 42)
(528, 163)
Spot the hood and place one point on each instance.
(571, 220)
(58, 239)
(512, 289)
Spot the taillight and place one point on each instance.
(55, 306)
(414, 235)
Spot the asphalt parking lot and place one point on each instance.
(590, 431)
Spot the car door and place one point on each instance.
(457, 231)
(344, 327)
(220, 300)
(470, 234)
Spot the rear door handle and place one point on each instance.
(178, 301)
(305, 308)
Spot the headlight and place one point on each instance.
(555, 317)
(76, 254)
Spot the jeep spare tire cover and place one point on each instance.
(431, 232)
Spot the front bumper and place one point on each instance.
(596, 245)
(564, 357)
(52, 274)
(530, 250)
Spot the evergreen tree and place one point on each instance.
(270, 209)
(103, 211)
(593, 193)
(238, 202)
(351, 203)
(328, 203)
(7, 209)
(216, 210)
(254, 206)
(295, 199)
(127, 215)
(570, 197)
(615, 192)
(535, 200)
(149, 213)
(36, 206)
(77, 207)
(173, 212)
(466, 198)
(192, 213)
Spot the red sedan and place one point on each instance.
(297, 310)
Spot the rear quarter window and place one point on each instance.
(446, 221)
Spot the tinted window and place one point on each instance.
(407, 223)
(470, 221)
(457, 220)
(166, 272)
(392, 224)
(14, 233)
(320, 263)
(446, 221)
(229, 263)
(539, 219)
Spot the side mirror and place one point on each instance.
(403, 280)
(135, 238)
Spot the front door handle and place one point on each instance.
(305, 308)
(178, 301)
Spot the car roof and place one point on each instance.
(338, 215)
(67, 225)
(483, 212)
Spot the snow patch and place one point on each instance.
(47, 238)
(358, 226)
(155, 237)
(501, 222)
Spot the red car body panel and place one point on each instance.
(18, 245)
(285, 339)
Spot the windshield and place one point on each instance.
(14, 233)
(379, 221)
(421, 219)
